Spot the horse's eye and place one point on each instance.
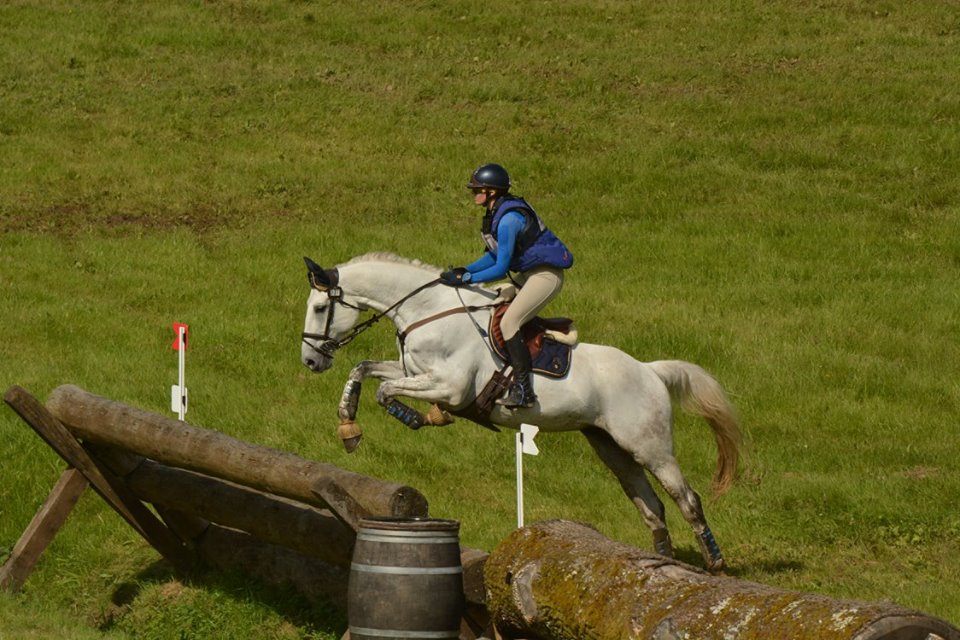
(319, 308)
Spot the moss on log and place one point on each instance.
(560, 580)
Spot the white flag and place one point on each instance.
(527, 433)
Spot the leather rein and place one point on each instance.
(327, 345)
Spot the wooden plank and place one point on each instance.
(42, 529)
(105, 483)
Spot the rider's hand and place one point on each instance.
(455, 277)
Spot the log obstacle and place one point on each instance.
(560, 580)
(221, 502)
(100, 420)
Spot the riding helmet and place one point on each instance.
(490, 176)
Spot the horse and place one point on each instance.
(622, 405)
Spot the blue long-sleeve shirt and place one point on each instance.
(495, 267)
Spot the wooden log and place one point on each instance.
(305, 529)
(179, 444)
(472, 561)
(281, 544)
(42, 529)
(476, 618)
(110, 488)
(187, 527)
(224, 548)
(560, 580)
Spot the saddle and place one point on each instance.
(548, 339)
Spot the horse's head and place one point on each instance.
(329, 318)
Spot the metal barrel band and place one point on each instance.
(429, 538)
(400, 633)
(411, 571)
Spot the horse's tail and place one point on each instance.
(700, 394)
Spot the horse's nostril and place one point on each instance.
(310, 364)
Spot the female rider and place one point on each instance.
(516, 240)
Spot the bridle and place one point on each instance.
(327, 345)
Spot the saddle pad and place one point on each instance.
(553, 359)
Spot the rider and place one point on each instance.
(518, 241)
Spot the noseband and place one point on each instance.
(327, 344)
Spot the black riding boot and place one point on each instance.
(521, 392)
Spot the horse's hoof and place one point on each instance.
(349, 432)
(351, 444)
(718, 568)
(437, 417)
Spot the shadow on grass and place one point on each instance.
(313, 615)
(738, 567)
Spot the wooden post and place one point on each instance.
(560, 580)
(179, 444)
(42, 529)
(110, 489)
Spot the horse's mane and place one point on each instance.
(386, 256)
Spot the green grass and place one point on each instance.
(766, 189)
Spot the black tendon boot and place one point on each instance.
(521, 392)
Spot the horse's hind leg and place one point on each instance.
(634, 481)
(671, 478)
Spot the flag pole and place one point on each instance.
(182, 337)
(519, 479)
(525, 445)
(178, 392)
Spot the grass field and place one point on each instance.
(768, 189)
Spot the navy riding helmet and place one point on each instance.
(490, 176)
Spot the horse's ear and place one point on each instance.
(320, 278)
(316, 276)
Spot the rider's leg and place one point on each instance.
(521, 392)
(539, 287)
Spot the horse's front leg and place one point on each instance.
(421, 387)
(348, 430)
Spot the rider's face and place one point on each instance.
(480, 197)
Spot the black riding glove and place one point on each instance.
(457, 277)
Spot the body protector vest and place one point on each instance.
(536, 245)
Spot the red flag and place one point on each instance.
(176, 332)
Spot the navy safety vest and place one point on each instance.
(536, 245)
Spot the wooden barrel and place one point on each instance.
(406, 580)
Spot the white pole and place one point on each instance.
(183, 366)
(519, 479)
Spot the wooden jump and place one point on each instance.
(559, 580)
(201, 483)
(216, 501)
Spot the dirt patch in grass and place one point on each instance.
(920, 473)
(71, 218)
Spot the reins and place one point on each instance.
(335, 294)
